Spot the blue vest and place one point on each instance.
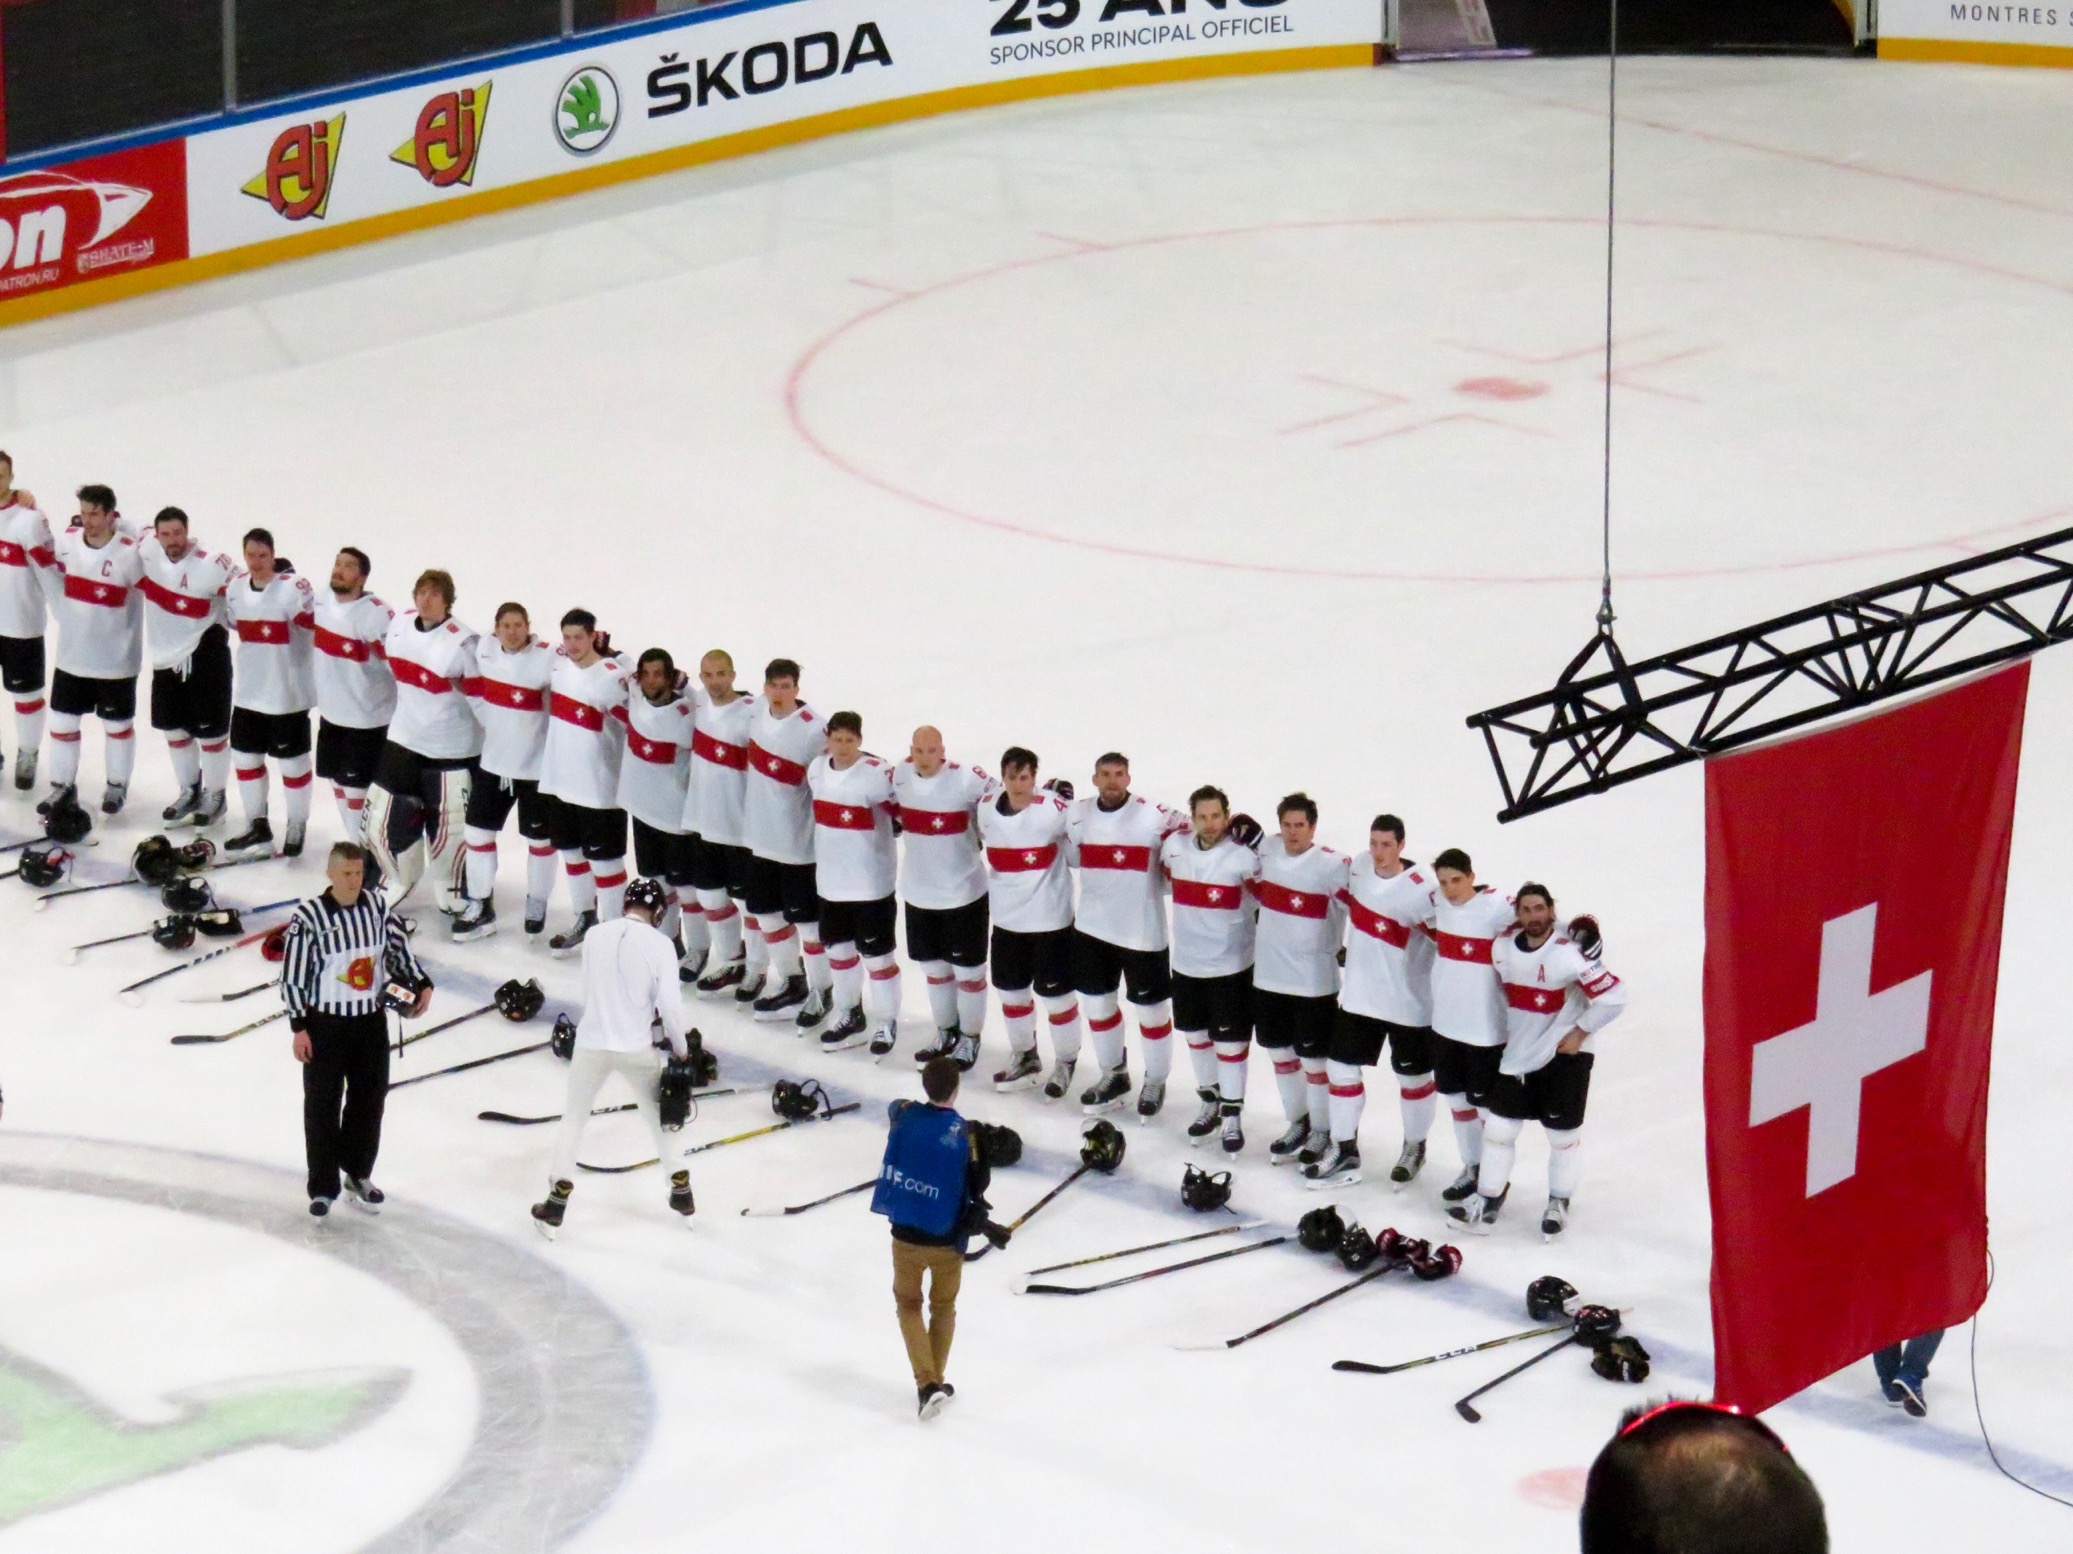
(921, 1183)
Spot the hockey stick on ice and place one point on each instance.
(596, 1111)
(43, 901)
(1367, 1369)
(250, 1025)
(461, 1068)
(133, 995)
(773, 1211)
(1149, 1246)
(230, 998)
(72, 955)
(732, 1138)
(1464, 1407)
(1149, 1273)
(1290, 1316)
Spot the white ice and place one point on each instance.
(1250, 427)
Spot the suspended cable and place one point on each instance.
(1612, 138)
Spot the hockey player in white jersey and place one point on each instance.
(1215, 920)
(653, 776)
(508, 692)
(416, 808)
(1385, 999)
(943, 889)
(854, 868)
(1119, 933)
(99, 614)
(1468, 1023)
(777, 819)
(274, 614)
(28, 568)
(1295, 975)
(1029, 881)
(586, 739)
(1557, 998)
(185, 627)
(713, 803)
(356, 689)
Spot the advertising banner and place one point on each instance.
(99, 216)
(721, 73)
(1983, 30)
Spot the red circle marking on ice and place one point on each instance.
(1500, 388)
(1554, 1489)
(803, 367)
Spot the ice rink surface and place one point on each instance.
(1250, 427)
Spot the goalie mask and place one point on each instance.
(1101, 1146)
(1202, 1192)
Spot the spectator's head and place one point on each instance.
(939, 1080)
(1693, 1478)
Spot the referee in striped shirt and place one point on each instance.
(344, 947)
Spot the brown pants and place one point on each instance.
(928, 1343)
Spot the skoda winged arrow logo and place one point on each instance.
(586, 110)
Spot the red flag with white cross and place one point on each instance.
(1854, 884)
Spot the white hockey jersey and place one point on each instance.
(656, 769)
(777, 812)
(719, 767)
(355, 688)
(276, 671)
(1467, 1004)
(1388, 952)
(585, 735)
(1122, 885)
(433, 717)
(27, 556)
(853, 855)
(1028, 876)
(182, 599)
(99, 610)
(509, 693)
(941, 865)
(1547, 992)
(1215, 916)
(1301, 920)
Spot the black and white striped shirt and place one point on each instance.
(338, 957)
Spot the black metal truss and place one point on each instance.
(1608, 722)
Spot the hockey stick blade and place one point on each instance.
(778, 1211)
(1467, 1411)
(230, 998)
(527, 1122)
(1463, 1407)
(638, 1165)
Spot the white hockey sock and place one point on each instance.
(1295, 1090)
(845, 977)
(215, 765)
(1349, 1098)
(1105, 1030)
(1155, 1030)
(352, 805)
(297, 789)
(1064, 1013)
(539, 872)
(64, 748)
(755, 945)
(1319, 1097)
(1018, 1013)
(1468, 1130)
(1201, 1057)
(723, 925)
(1500, 1149)
(671, 918)
(1417, 1098)
(942, 986)
(120, 752)
(818, 972)
(611, 888)
(971, 1000)
(1232, 1062)
(1565, 1160)
(698, 937)
(781, 943)
(252, 785)
(28, 723)
(882, 989)
(482, 863)
(582, 887)
(187, 758)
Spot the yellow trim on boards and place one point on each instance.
(181, 272)
(1958, 51)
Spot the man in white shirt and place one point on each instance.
(629, 983)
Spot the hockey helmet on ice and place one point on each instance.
(1204, 1192)
(1548, 1297)
(181, 894)
(67, 822)
(563, 1042)
(1357, 1249)
(795, 1099)
(519, 1001)
(174, 933)
(154, 861)
(1320, 1230)
(45, 864)
(1596, 1325)
(1101, 1146)
(998, 1145)
(219, 923)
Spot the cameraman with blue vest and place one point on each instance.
(932, 1186)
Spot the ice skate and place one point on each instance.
(1288, 1149)
(1339, 1167)
(1410, 1160)
(547, 1214)
(1206, 1119)
(1107, 1093)
(1022, 1073)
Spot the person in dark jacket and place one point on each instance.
(932, 1186)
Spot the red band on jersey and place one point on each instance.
(1454, 946)
(580, 713)
(934, 822)
(410, 672)
(1107, 855)
(658, 752)
(1198, 893)
(87, 591)
(1374, 924)
(734, 757)
(1020, 860)
(518, 698)
(776, 767)
(174, 603)
(307, 620)
(1534, 1000)
(841, 817)
(332, 644)
(471, 685)
(1599, 984)
(273, 633)
(1292, 903)
(12, 554)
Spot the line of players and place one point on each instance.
(776, 836)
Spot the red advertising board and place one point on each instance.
(92, 218)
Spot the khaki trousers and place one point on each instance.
(928, 1343)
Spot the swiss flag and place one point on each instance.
(1853, 932)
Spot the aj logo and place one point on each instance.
(59, 1446)
(297, 180)
(359, 975)
(448, 137)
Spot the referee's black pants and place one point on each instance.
(349, 1064)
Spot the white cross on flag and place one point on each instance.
(1854, 883)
